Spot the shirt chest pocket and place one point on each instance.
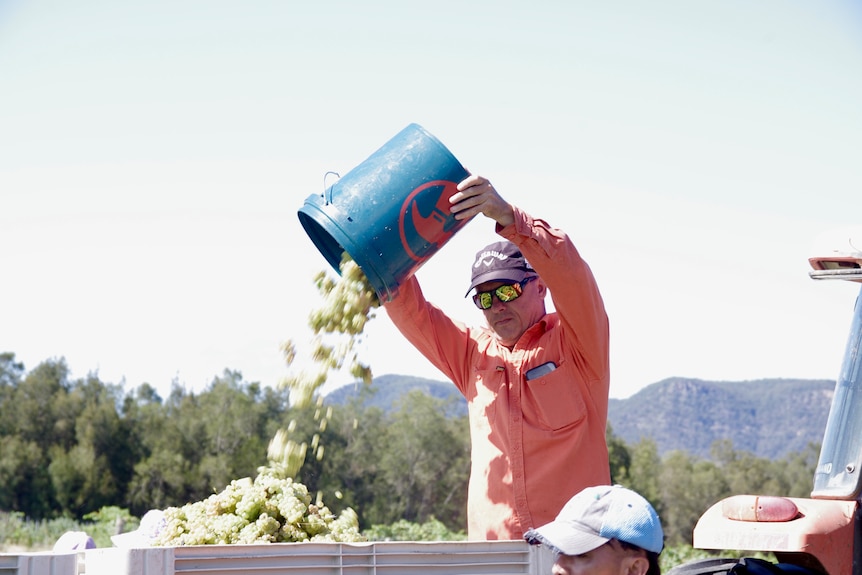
(553, 401)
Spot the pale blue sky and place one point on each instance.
(153, 156)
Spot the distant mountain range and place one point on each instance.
(770, 418)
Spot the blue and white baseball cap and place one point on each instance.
(595, 516)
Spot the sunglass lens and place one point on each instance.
(508, 292)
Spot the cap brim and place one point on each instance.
(561, 537)
(512, 276)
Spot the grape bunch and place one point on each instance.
(271, 508)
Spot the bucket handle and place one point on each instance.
(337, 175)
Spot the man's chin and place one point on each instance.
(505, 338)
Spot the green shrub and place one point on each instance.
(40, 535)
(432, 530)
(37, 535)
(107, 521)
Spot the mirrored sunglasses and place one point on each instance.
(505, 293)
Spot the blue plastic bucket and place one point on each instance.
(391, 212)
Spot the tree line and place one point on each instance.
(71, 447)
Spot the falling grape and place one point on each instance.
(348, 305)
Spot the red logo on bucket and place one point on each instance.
(425, 220)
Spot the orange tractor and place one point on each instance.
(822, 534)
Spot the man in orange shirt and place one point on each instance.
(536, 383)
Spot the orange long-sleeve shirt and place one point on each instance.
(534, 443)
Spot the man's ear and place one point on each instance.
(543, 289)
(636, 565)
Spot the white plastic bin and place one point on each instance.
(47, 563)
(378, 558)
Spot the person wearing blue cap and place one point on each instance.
(603, 530)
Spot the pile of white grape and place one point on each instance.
(271, 508)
